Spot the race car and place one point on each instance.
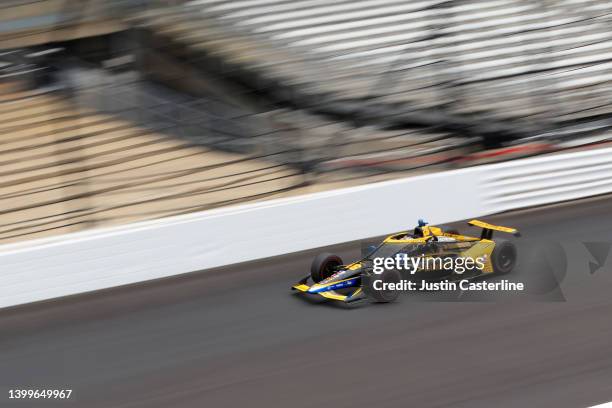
(332, 279)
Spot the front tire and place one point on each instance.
(503, 257)
(381, 296)
(323, 266)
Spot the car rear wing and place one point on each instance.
(487, 229)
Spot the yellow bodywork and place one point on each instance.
(333, 295)
(461, 245)
(329, 294)
(482, 247)
(301, 288)
(481, 224)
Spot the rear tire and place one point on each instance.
(503, 257)
(323, 266)
(381, 296)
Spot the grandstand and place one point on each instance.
(193, 105)
(522, 68)
(26, 23)
(115, 149)
(64, 167)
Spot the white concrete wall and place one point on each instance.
(98, 259)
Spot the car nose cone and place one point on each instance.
(314, 288)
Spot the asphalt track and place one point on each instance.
(236, 337)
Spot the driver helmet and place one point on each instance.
(418, 231)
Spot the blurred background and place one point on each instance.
(118, 111)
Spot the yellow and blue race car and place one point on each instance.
(427, 253)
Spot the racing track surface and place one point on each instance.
(236, 337)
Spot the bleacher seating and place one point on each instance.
(527, 62)
(64, 167)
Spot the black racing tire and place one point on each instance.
(381, 296)
(323, 266)
(503, 257)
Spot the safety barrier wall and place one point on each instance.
(98, 259)
(545, 180)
